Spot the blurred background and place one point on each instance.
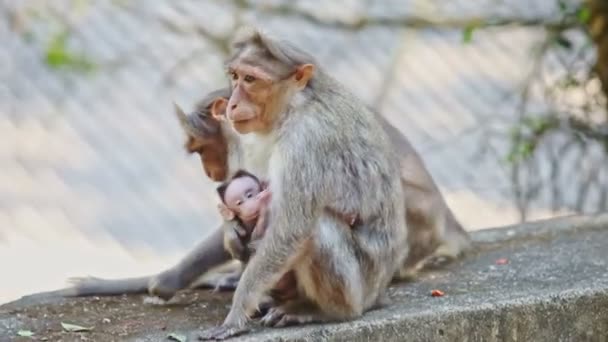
(504, 99)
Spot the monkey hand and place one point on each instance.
(234, 244)
(164, 285)
(260, 227)
(235, 324)
(264, 196)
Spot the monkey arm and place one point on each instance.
(236, 239)
(293, 215)
(205, 256)
(259, 230)
(209, 254)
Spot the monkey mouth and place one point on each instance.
(251, 218)
(242, 121)
(244, 118)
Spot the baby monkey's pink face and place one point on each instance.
(242, 198)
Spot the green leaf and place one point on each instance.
(569, 81)
(176, 337)
(563, 42)
(562, 5)
(74, 328)
(467, 33)
(58, 55)
(25, 333)
(583, 14)
(525, 149)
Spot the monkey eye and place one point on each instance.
(239, 202)
(233, 75)
(248, 194)
(249, 78)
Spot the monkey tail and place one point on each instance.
(89, 286)
(92, 286)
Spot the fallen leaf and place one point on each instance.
(25, 333)
(74, 328)
(502, 261)
(437, 293)
(177, 337)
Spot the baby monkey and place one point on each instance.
(245, 200)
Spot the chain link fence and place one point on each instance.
(94, 177)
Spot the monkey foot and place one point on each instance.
(277, 317)
(153, 300)
(228, 283)
(436, 261)
(265, 305)
(221, 332)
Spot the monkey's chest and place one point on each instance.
(257, 151)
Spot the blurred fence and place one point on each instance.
(93, 171)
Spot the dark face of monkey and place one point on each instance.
(211, 151)
(204, 136)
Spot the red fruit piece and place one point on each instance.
(502, 261)
(437, 293)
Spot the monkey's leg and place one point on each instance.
(435, 237)
(303, 311)
(299, 311)
(330, 283)
(455, 242)
(205, 256)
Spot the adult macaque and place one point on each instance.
(319, 147)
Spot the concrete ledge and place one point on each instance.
(554, 287)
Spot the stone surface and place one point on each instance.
(544, 281)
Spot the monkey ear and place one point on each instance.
(218, 108)
(226, 213)
(183, 118)
(264, 185)
(303, 74)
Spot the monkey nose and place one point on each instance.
(233, 107)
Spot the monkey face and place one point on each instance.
(251, 91)
(214, 165)
(241, 197)
(262, 85)
(213, 151)
(206, 139)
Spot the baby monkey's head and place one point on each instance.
(240, 197)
